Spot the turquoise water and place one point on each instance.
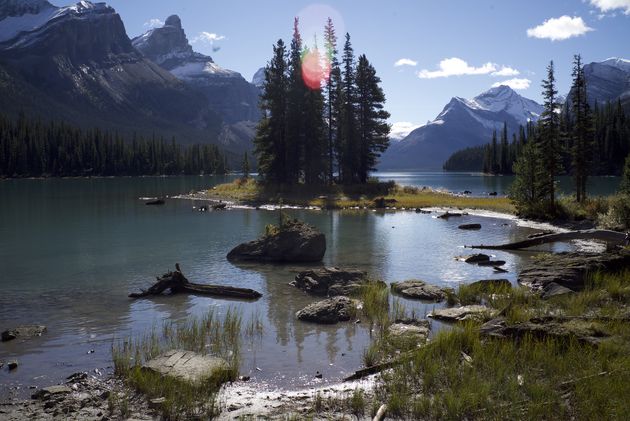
(72, 249)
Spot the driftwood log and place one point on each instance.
(612, 237)
(176, 282)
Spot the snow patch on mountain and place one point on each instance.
(259, 77)
(18, 26)
(191, 70)
(619, 63)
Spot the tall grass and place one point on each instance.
(209, 334)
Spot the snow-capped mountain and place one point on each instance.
(608, 80)
(227, 92)
(462, 123)
(76, 63)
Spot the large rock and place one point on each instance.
(294, 242)
(51, 391)
(419, 290)
(25, 331)
(329, 311)
(475, 258)
(187, 366)
(460, 314)
(569, 270)
(331, 281)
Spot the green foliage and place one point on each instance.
(31, 148)
(618, 214)
(469, 159)
(624, 187)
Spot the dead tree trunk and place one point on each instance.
(611, 237)
(176, 282)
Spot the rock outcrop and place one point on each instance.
(556, 273)
(295, 241)
(409, 330)
(419, 290)
(331, 281)
(460, 314)
(329, 311)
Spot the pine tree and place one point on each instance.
(624, 187)
(504, 164)
(245, 166)
(524, 190)
(548, 141)
(582, 132)
(271, 133)
(494, 161)
(315, 144)
(373, 130)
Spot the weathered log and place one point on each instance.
(380, 414)
(176, 282)
(612, 237)
(367, 371)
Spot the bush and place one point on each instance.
(618, 214)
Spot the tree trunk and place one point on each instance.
(602, 235)
(177, 283)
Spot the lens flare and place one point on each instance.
(315, 69)
(315, 61)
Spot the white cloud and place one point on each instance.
(506, 71)
(456, 67)
(611, 5)
(154, 23)
(401, 129)
(405, 62)
(207, 37)
(557, 29)
(516, 83)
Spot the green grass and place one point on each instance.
(209, 334)
(354, 196)
(462, 375)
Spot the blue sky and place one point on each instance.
(480, 37)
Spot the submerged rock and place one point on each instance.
(295, 241)
(187, 366)
(470, 227)
(448, 214)
(25, 331)
(331, 281)
(459, 314)
(419, 290)
(492, 263)
(476, 258)
(329, 311)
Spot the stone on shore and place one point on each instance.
(51, 391)
(295, 241)
(331, 281)
(460, 314)
(187, 366)
(409, 330)
(23, 332)
(329, 311)
(419, 290)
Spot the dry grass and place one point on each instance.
(355, 196)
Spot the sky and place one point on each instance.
(425, 51)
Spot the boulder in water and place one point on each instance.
(295, 241)
(24, 331)
(331, 281)
(329, 311)
(418, 290)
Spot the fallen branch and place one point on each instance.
(368, 371)
(613, 237)
(380, 414)
(176, 282)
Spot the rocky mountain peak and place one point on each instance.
(22, 7)
(173, 21)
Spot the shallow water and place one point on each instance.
(72, 249)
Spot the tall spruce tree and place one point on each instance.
(314, 160)
(373, 130)
(271, 137)
(348, 142)
(504, 164)
(333, 87)
(524, 191)
(548, 141)
(296, 97)
(581, 130)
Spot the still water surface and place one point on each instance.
(72, 249)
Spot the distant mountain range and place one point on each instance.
(76, 63)
(461, 124)
(465, 123)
